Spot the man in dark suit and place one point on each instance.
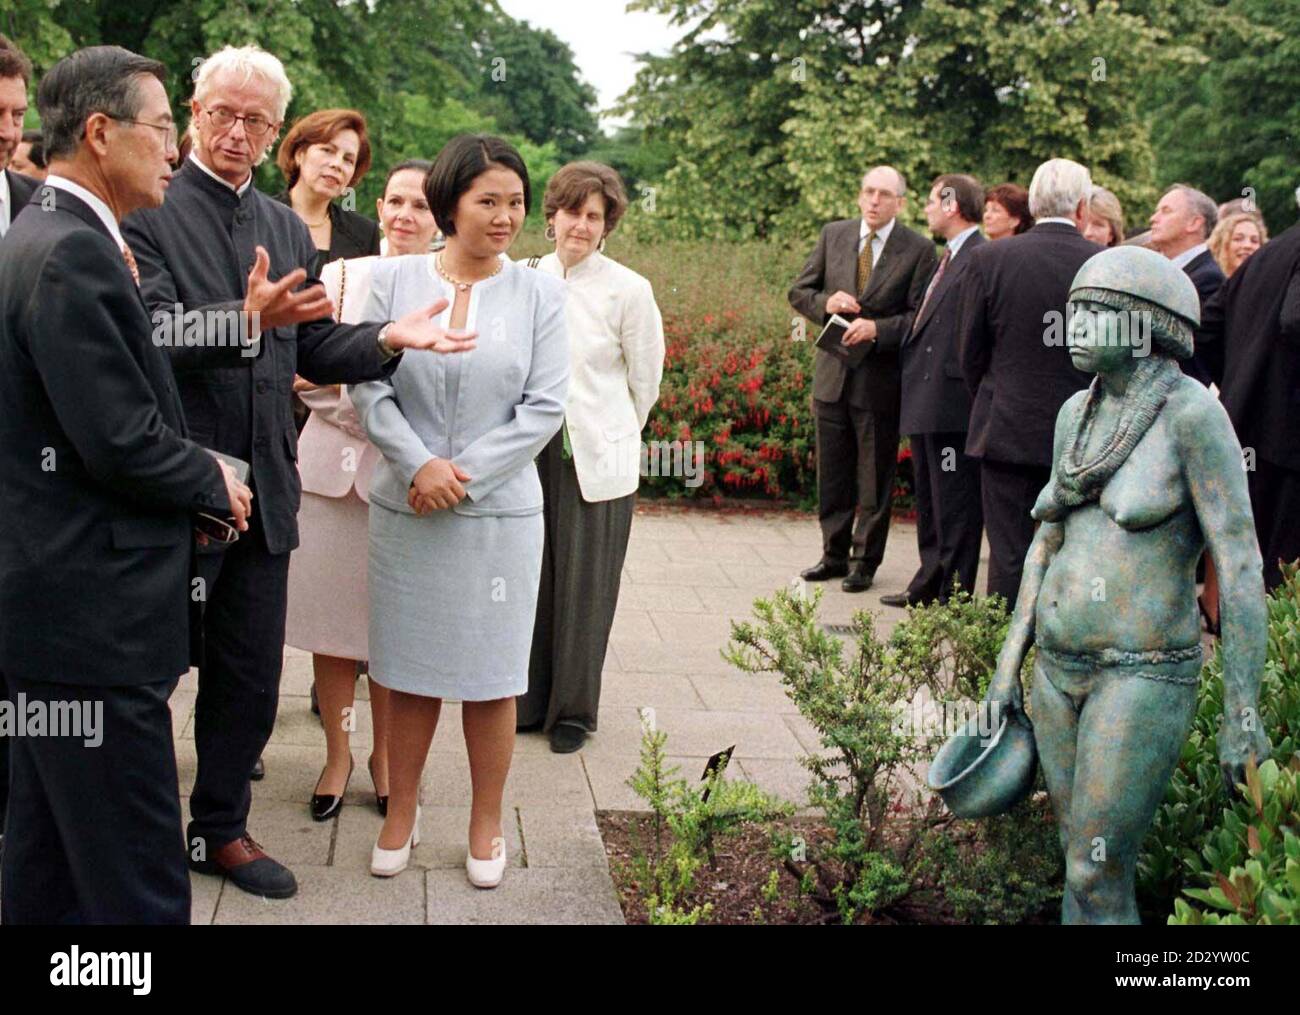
(194, 254)
(872, 270)
(15, 189)
(95, 516)
(1015, 361)
(936, 407)
(1180, 228)
(1255, 318)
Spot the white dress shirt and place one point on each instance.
(1057, 218)
(1188, 256)
(955, 244)
(878, 242)
(97, 204)
(5, 216)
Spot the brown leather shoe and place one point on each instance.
(248, 867)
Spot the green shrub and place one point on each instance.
(687, 823)
(887, 831)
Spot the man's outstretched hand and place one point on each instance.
(275, 304)
(418, 331)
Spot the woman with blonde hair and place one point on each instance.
(1235, 238)
(1105, 218)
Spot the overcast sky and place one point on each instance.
(603, 37)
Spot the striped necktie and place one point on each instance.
(130, 263)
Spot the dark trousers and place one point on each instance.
(949, 515)
(1275, 502)
(95, 831)
(246, 590)
(4, 763)
(857, 458)
(1009, 492)
(582, 563)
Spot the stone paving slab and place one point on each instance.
(333, 895)
(536, 895)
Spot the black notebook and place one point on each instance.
(830, 340)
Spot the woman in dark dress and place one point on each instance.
(323, 157)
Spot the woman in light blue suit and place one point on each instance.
(456, 505)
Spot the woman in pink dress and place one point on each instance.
(328, 601)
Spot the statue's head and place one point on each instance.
(1128, 303)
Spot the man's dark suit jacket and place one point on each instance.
(892, 294)
(99, 479)
(1255, 317)
(21, 189)
(1206, 362)
(935, 399)
(196, 251)
(1019, 382)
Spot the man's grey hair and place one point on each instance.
(98, 79)
(1057, 188)
(244, 62)
(902, 182)
(1198, 203)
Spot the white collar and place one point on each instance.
(238, 190)
(956, 242)
(97, 204)
(1188, 256)
(4, 186)
(882, 233)
(1056, 218)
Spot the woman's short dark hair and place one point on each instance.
(421, 166)
(321, 127)
(570, 187)
(36, 153)
(1015, 199)
(97, 79)
(463, 160)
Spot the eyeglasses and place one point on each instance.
(224, 119)
(169, 129)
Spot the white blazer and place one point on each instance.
(616, 361)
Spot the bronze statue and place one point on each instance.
(1147, 473)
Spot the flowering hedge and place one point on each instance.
(737, 370)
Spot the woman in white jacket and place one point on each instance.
(591, 469)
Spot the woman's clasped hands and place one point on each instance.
(438, 484)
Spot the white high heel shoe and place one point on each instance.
(486, 873)
(387, 863)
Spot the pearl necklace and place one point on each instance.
(457, 283)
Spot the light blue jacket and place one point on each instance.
(506, 404)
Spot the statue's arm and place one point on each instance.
(1212, 468)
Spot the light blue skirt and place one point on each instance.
(452, 602)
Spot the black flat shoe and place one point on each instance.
(858, 580)
(324, 806)
(898, 599)
(259, 771)
(566, 738)
(381, 802)
(825, 570)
